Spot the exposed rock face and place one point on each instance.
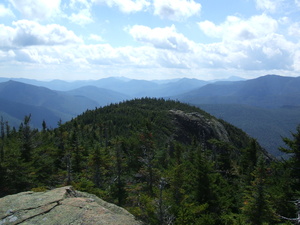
(197, 124)
(61, 206)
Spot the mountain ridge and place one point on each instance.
(50, 104)
(270, 92)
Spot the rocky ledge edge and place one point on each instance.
(61, 206)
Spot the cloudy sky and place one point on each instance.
(149, 39)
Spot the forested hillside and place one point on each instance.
(164, 161)
(267, 108)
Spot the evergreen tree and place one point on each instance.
(257, 205)
(201, 178)
(177, 175)
(293, 149)
(75, 151)
(2, 136)
(119, 167)
(96, 161)
(27, 139)
(148, 158)
(292, 164)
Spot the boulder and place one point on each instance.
(61, 206)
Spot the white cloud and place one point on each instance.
(296, 63)
(82, 18)
(268, 5)
(95, 37)
(210, 29)
(37, 9)
(35, 55)
(6, 37)
(126, 6)
(163, 38)
(243, 45)
(283, 20)
(249, 44)
(74, 4)
(81, 12)
(131, 57)
(235, 28)
(268, 52)
(6, 55)
(28, 33)
(176, 9)
(272, 52)
(294, 30)
(5, 12)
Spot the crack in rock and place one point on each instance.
(61, 206)
(43, 212)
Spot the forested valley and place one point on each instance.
(164, 161)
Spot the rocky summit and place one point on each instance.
(61, 206)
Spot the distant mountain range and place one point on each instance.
(269, 91)
(267, 107)
(61, 100)
(130, 87)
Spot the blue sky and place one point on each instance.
(149, 39)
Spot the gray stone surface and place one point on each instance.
(204, 127)
(61, 206)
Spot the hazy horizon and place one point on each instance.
(123, 78)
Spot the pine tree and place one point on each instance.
(27, 139)
(201, 178)
(2, 136)
(294, 161)
(293, 164)
(148, 159)
(257, 205)
(119, 172)
(96, 161)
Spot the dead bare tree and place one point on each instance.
(297, 219)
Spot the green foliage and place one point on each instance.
(134, 154)
(257, 205)
(293, 148)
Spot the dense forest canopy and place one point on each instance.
(164, 161)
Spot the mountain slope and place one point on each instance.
(266, 107)
(15, 112)
(269, 91)
(100, 95)
(167, 120)
(20, 99)
(268, 126)
(40, 96)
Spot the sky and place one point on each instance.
(149, 39)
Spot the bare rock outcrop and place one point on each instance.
(195, 125)
(61, 206)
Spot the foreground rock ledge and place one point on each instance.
(61, 206)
